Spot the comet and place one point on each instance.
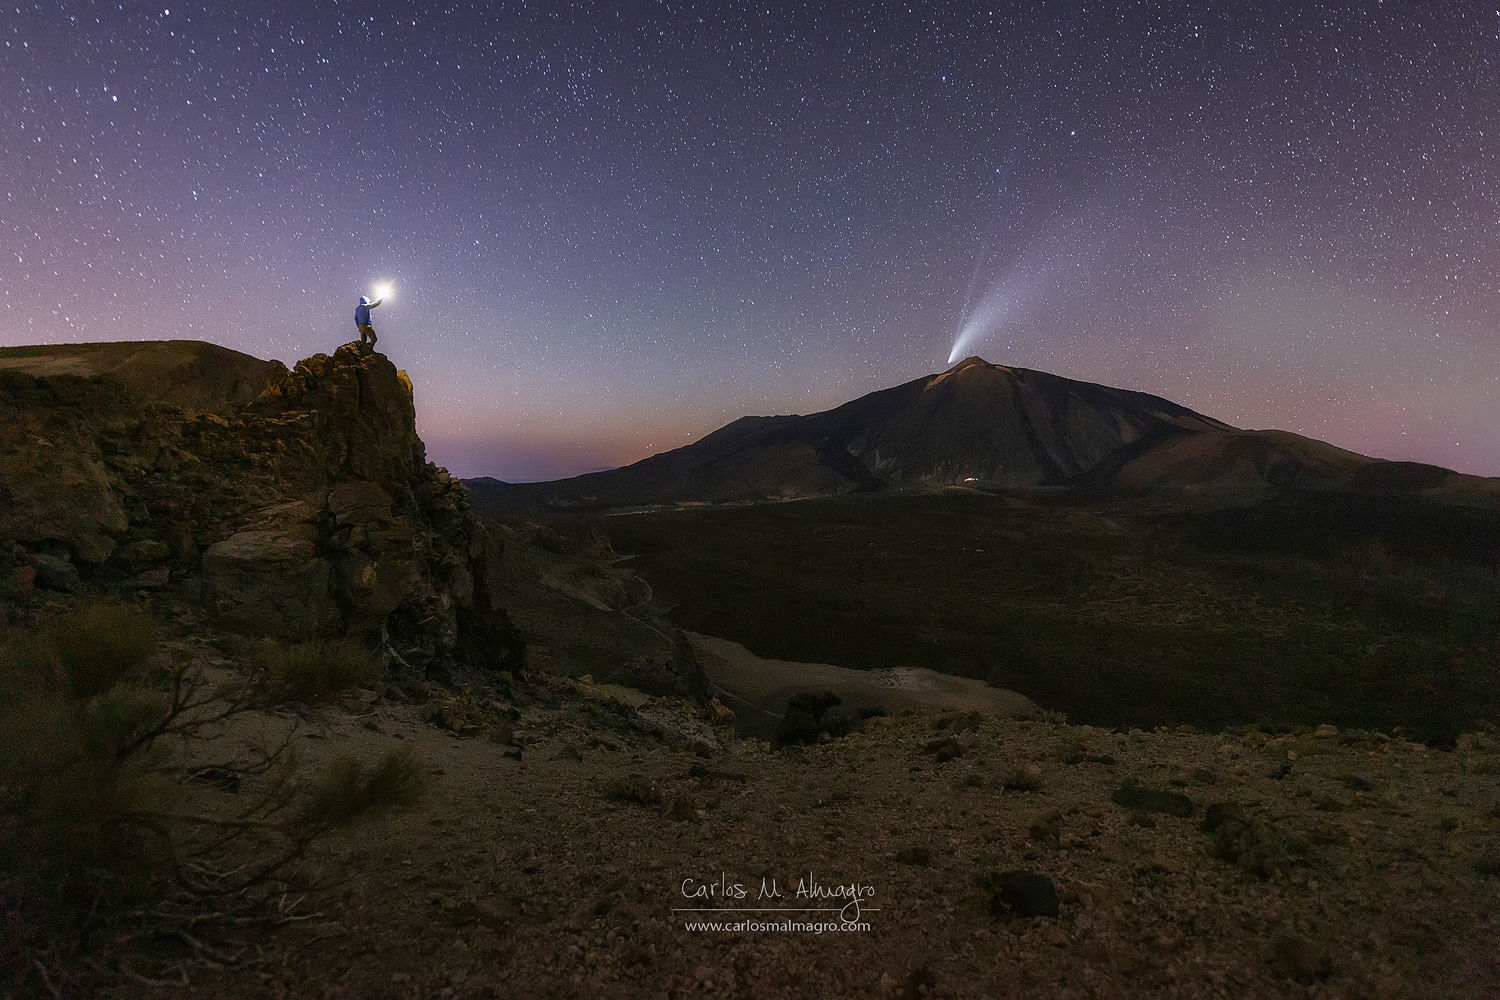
(1047, 270)
(1001, 307)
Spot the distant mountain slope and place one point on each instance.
(189, 373)
(1009, 426)
(1237, 459)
(992, 424)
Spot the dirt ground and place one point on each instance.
(757, 688)
(558, 874)
(557, 844)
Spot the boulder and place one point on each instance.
(1021, 894)
(810, 714)
(359, 501)
(364, 420)
(1151, 800)
(18, 582)
(143, 552)
(91, 547)
(271, 582)
(155, 578)
(369, 589)
(677, 674)
(54, 573)
(61, 494)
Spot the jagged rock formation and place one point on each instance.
(304, 509)
(981, 423)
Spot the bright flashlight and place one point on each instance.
(384, 291)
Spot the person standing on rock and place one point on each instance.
(362, 320)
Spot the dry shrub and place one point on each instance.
(79, 653)
(635, 788)
(74, 724)
(349, 790)
(1023, 779)
(101, 822)
(315, 671)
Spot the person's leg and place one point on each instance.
(373, 338)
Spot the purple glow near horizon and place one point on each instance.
(614, 228)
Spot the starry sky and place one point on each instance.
(615, 227)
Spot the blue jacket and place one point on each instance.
(362, 311)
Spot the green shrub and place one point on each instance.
(114, 724)
(312, 672)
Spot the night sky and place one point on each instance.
(615, 227)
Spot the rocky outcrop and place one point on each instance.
(307, 510)
(274, 579)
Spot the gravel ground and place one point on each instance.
(1360, 866)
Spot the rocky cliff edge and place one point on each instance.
(308, 511)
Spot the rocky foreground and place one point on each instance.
(566, 823)
(292, 503)
(1181, 864)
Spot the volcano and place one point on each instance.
(981, 425)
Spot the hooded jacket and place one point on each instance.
(362, 311)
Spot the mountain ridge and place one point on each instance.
(977, 423)
(192, 374)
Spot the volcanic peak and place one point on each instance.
(970, 367)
